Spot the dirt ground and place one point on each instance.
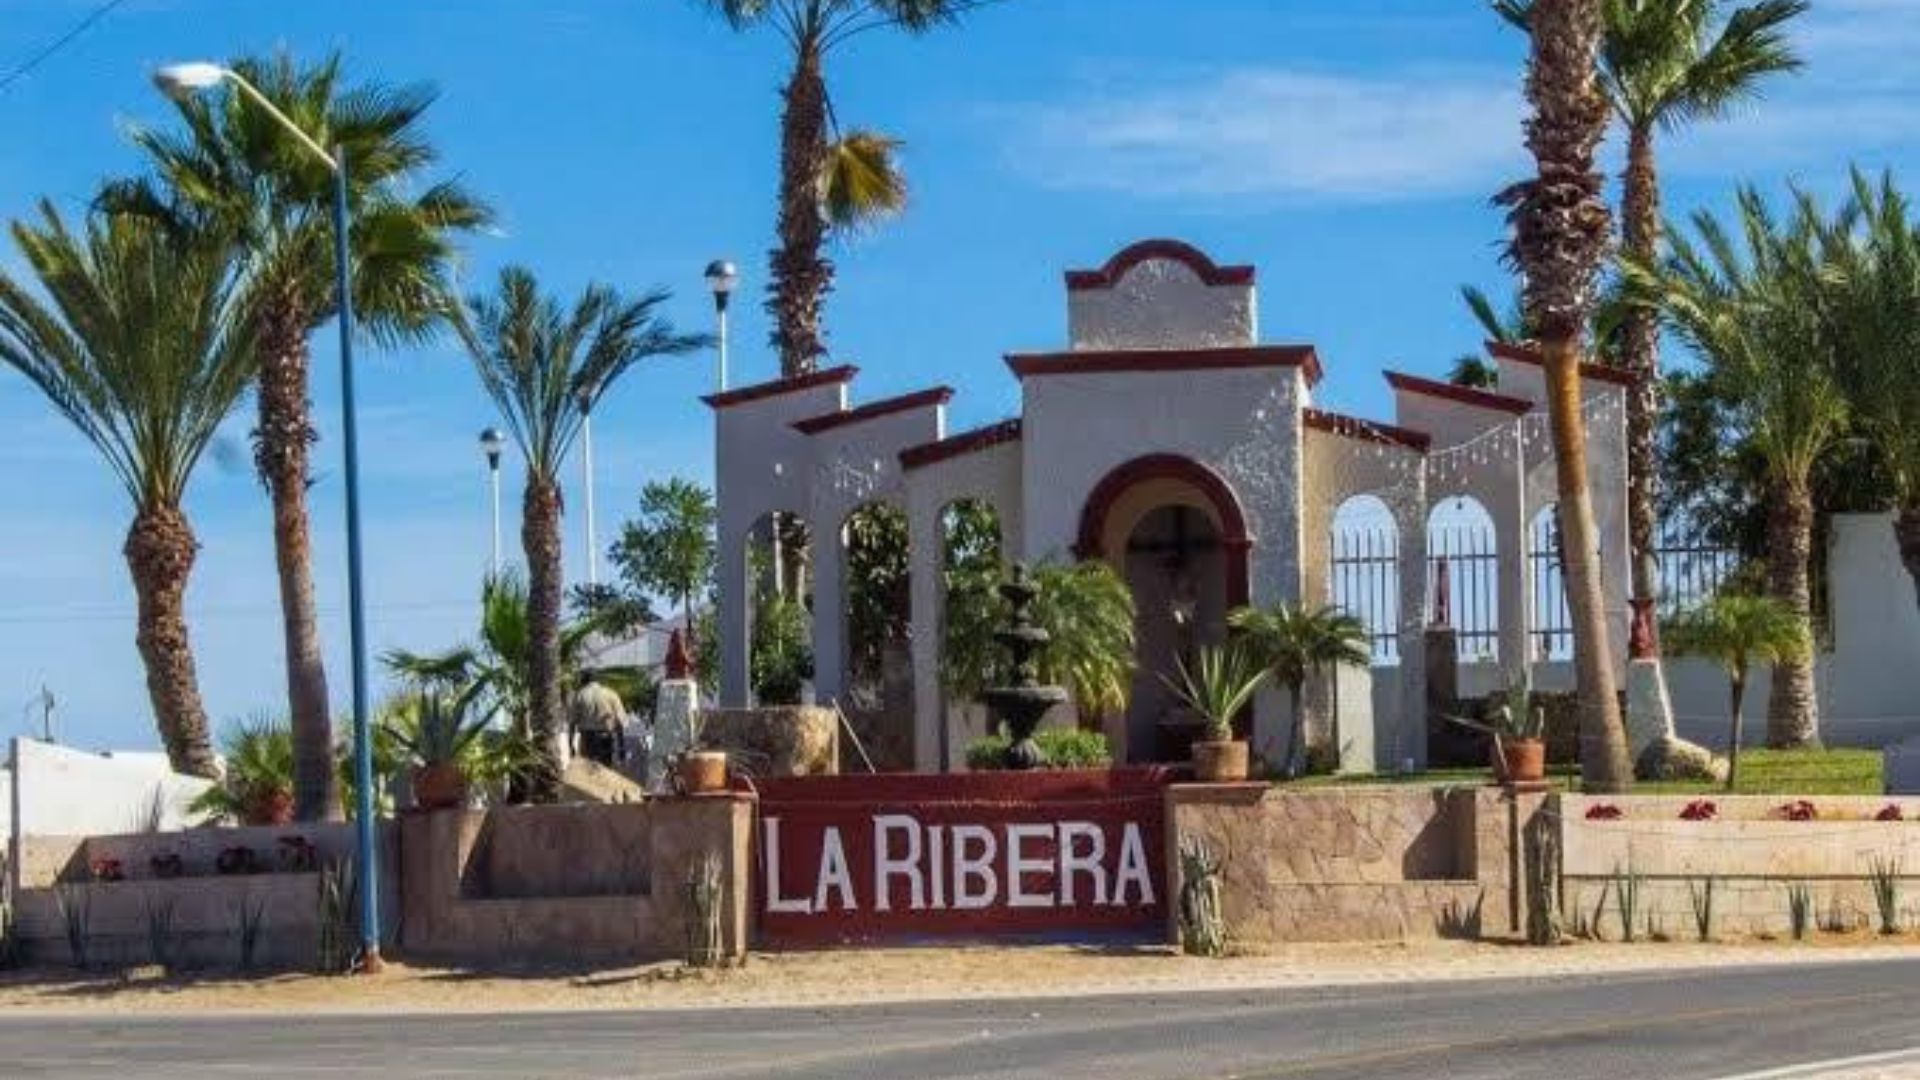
(885, 975)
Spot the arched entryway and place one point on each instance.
(1174, 529)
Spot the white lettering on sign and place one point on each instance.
(834, 873)
(770, 870)
(1075, 863)
(907, 865)
(975, 885)
(969, 867)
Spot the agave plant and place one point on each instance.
(1218, 685)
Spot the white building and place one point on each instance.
(1169, 440)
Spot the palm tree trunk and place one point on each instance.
(1604, 765)
(800, 276)
(1793, 712)
(160, 550)
(1296, 733)
(1737, 690)
(540, 537)
(1640, 355)
(281, 444)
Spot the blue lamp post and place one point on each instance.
(181, 81)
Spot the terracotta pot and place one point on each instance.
(441, 786)
(1522, 761)
(703, 772)
(1222, 762)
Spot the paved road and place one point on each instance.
(1674, 1026)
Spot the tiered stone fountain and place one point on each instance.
(1023, 701)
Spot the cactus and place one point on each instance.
(1799, 909)
(1702, 898)
(1886, 893)
(706, 944)
(1202, 930)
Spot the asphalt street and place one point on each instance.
(1681, 1025)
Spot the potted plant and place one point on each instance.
(1220, 683)
(701, 771)
(1294, 642)
(1518, 726)
(439, 738)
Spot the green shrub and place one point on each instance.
(1065, 748)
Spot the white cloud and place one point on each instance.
(1279, 132)
(1304, 135)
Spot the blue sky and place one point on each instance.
(1347, 148)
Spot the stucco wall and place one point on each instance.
(66, 791)
(1158, 304)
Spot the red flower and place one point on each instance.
(1604, 812)
(1798, 810)
(107, 870)
(1891, 812)
(1700, 810)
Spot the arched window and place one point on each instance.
(1363, 572)
(1463, 575)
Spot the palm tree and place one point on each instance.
(1560, 229)
(1296, 642)
(1876, 319)
(1758, 317)
(546, 366)
(238, 166)
(140, 342)
(493, 673)
(1737, 632)
(827, 179)
(1665, 64)
(1087, 611)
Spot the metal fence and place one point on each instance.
(1365, 582)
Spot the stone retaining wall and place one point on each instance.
(778, 740)
(1753, 857)
(570, 884)
(196, 916)
(1343, 864)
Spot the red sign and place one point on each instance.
(860, 858)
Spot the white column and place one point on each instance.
(829, 607)
(593, 545)
(1406, 744)
(924, 555)
(735, 628)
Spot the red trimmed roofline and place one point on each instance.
(1464, 395)
(966, 442)
(1179, 251)
(1353, 427)
(789, 385)
(813, 425)
(1109, 361)
(1528, 354)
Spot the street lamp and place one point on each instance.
(586, 454)
(180, 82)
(491, 443)
(721, 278)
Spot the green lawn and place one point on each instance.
(1762, 772)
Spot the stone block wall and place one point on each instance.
(198, 915)
(1349, 863)
(1751, 853)
(571, 884)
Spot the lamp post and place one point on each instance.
(491, 442)
(586, 454)
(721, 278)
(180, 82)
